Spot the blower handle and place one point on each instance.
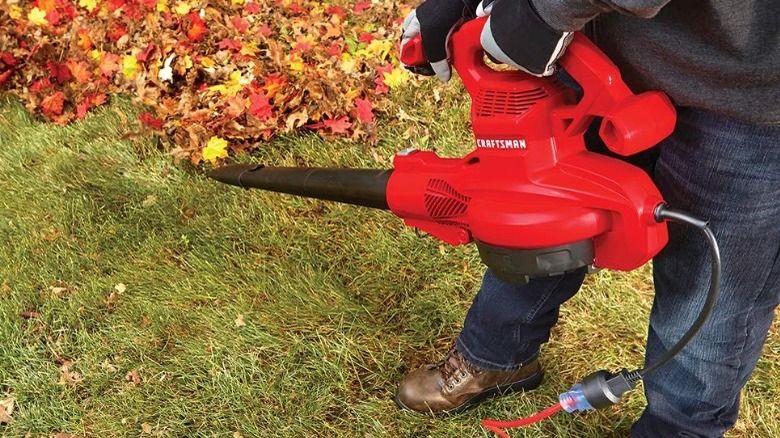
(632, 123)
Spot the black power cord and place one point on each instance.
(602, 388)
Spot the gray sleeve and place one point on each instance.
(571, 15)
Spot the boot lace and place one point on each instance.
(454, 368)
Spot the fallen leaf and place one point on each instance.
(6, 409)
(67, 375)
(120, 288)
(133, 377)
(337, 126)
(364, 110)
(106, 365)
(215, 149)
(146, 428)
(28, 314)
(240, 321)
(37, 17)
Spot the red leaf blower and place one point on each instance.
(530, 195)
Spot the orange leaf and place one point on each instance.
(52, 104)
(109, 64)
(197, 31)
(80, 71)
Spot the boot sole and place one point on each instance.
(529, 383)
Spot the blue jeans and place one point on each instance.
(721, 170)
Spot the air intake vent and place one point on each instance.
(498, 102)
(443, 202)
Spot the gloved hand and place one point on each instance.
(515, 34)
(434, 21)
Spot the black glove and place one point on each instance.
(434, 21)
(516, 35)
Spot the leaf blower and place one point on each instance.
(530, 195)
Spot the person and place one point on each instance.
(719, 61)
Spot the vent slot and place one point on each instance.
(443, 202)
(498, 102)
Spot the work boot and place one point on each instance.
(455, 384)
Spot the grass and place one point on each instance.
(140, 298)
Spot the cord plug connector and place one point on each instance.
(598, 390)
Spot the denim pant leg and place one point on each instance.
(507, 324)
(728, 173)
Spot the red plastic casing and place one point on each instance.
(530, 183)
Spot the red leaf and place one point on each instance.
(5, 75)
(113, 5)
(58, 71)
(252, 8)
(381, 87)
(117, 31)
(198, 29)
(336, 49)
(366, 37)
(151, 121)
(240, 24)
(364, 110)
(259, 106)
(336, 10)
(8, 59)
(337, 126)
(97, 99)
(264, 30)
(52, 105)
(149, 4)
(40, 85)
(144, 56)
(80, 71)
(81, 110)
(228, 43)
(362, 6)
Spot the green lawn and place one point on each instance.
(138, 297)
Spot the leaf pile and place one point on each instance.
(217, 74)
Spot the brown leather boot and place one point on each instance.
(455, 384)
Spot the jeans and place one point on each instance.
(718, 169)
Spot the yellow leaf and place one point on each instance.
(352, 93)
(15, 12)
(237, 2)
(37, 17)
(396, 78)
(381, 49)
(231, 87)
(182, 8)
(97, 55)
(89, 5)
(215, 149)
(348, 63)
(295, 62)
(207, 62)
(248, 49)
(130, 66)
(162, 6)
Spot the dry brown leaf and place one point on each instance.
(133, 377)
(67, 375)
(146, 428)
(120, 288)
(240, 321)
(6, 409)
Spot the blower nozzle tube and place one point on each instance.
(364, 187)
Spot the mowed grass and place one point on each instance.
(139, 298)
